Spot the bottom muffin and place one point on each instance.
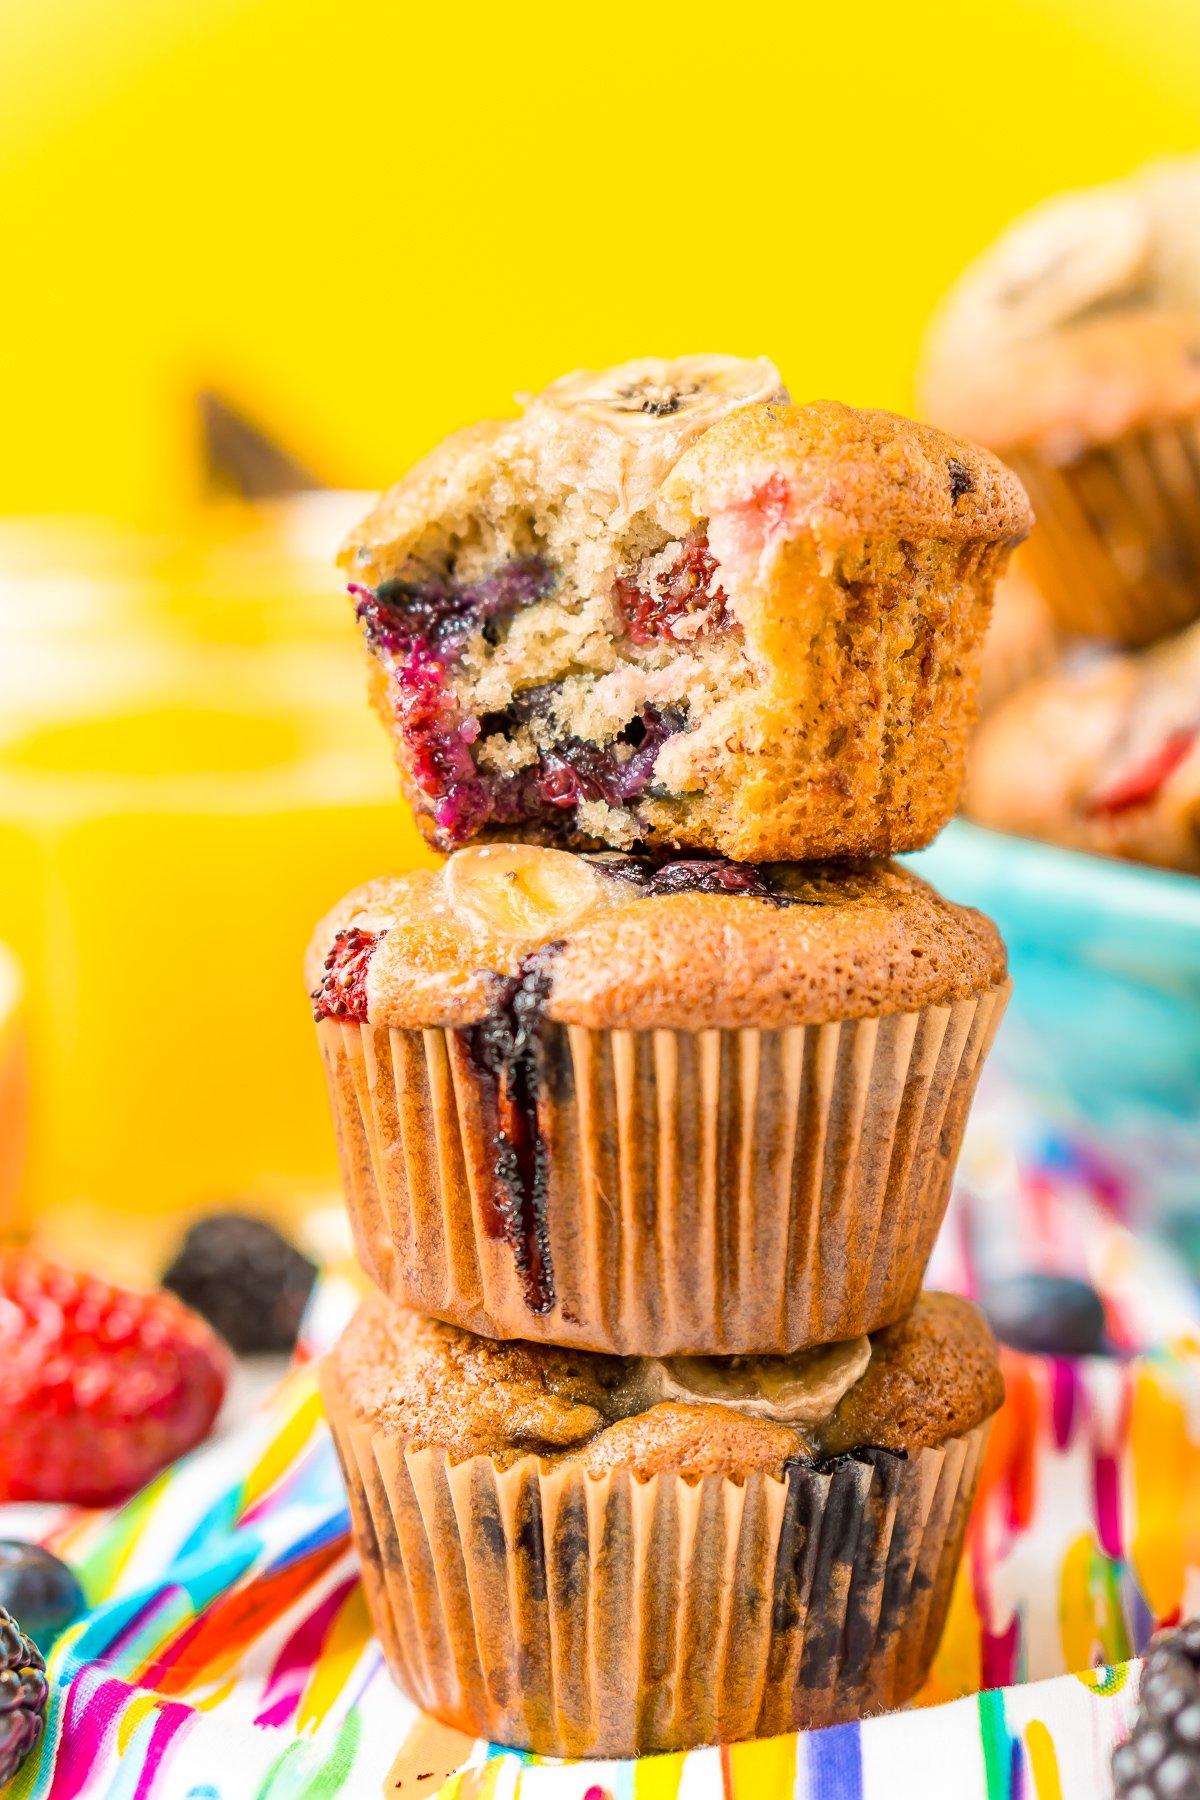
(589, 1555)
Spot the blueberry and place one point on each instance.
(39, 1590)
(1052, 1315)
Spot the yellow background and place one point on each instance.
(364, 223)
(369, 221)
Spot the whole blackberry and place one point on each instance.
(23, 1691)
(244, 1277)
(1161, 1760)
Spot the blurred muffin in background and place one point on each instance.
(1022, 641)
(1072, 347)
(14, 1097)
(1102, 757)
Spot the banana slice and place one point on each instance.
(637, 397)
(1065, 258)
(1172, 193)
(519, 892)
(788, 1390)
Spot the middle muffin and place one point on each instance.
(652, 1109)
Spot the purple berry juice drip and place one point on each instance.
(343, 990)
(504, 1048)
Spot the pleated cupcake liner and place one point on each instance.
(714, 1192)
(1116, 550)
(576, 1615)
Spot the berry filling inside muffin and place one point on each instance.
(537, 660)
(502, 727)
(666, 608)
(1136, 785)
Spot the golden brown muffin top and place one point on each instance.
(1080, 323)
(932, 1377)
(841, 475)
(616, 943)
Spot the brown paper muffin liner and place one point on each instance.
(714, 1191)
(575, 1615)
(1116, 550)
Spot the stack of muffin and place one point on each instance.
(648, 1100)
(1072, 347)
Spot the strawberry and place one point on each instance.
(680, 602)
(99, 1388)
(343, 990)
(1141, 783)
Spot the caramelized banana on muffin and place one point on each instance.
(930, 1377)
(1103, 757)
(664, 607)
(1072, 348)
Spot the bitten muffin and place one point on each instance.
(666, 608)
(1072, 347)
(583, 1555)
(1103, 757)
(654, 1108)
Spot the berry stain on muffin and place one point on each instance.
(961, 479)
(342, 993)
(505, 1049)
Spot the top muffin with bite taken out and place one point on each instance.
(666, 609)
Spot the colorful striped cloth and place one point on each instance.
(228, 1654)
